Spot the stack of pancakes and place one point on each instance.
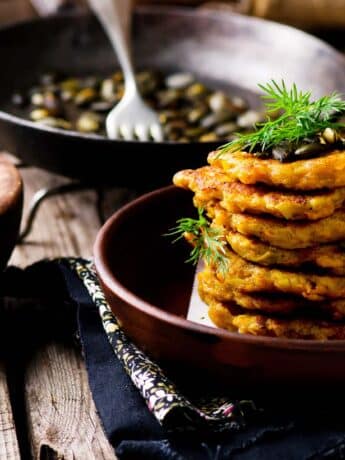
(284, 228)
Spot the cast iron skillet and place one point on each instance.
(221, 48)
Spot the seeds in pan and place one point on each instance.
(189, 110)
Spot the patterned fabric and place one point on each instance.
(171, 408)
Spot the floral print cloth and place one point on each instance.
(172, 409)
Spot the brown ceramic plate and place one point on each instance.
(148, 286)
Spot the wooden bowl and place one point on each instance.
(148, 285)
(11, 204)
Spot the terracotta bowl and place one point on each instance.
(148, 285)
(11, 204)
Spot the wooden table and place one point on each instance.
(59, 419)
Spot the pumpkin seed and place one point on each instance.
(194, 115)
(37, 99)
(55, 123)
(88, 122)
(330, 136)
(225, 128)
(196, 91)
(249, 118)
(214, 118)
(108, 90)
(39, 114)
(179, 80)
(209, 137)
(101, 106)
(218, 101)
(311, 149)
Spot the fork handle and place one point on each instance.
(115, 16)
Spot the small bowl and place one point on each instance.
(148, 285)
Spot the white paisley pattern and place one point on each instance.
(171, 408)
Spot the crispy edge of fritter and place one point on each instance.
(326, 171)
(282, 234)
(210, 286)
(210, 184)
(230, 317)
(248, 277)
(329, 257)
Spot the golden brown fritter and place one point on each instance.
(248, 277)
(330, 257)
(210, 184)
(228, 316)
(283, 234)
(327, 171)
(210, 286)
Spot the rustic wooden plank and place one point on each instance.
(62, 418)
(66, 225)
(9, 448)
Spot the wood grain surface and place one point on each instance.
(61, 416)
(9, 448)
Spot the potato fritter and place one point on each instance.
(327, 171)
(330, 257)
(286, 235)
(228, 316)
(210, 286)
(248, 277)
(210, 185)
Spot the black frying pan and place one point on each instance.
(223, 49)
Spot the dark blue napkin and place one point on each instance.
(285, 423)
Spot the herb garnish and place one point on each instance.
(208, 242)
(299, 118)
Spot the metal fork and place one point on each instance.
(131, 118)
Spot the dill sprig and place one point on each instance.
(299, 118)
(208, 242)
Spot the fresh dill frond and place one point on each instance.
(299, 118)
(208, 242)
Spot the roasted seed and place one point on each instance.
(225, 129)
(214, 118)
(39, 114)
(194, 115)
(179, 80)
(330, 136)
(55, 123)
(147, 82)
(37, 99)
(88, 122)
(71, 84)
(281, 153)
(196, 91)
(311, 149)
(249, 118)
(101, 106)
(209, 137)
(168, 97)
(52, 103)
(239, 104)
(194, 132)
(67, 95)
(85, 96)
(108, 90)
(218, 101)
(167, 115)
